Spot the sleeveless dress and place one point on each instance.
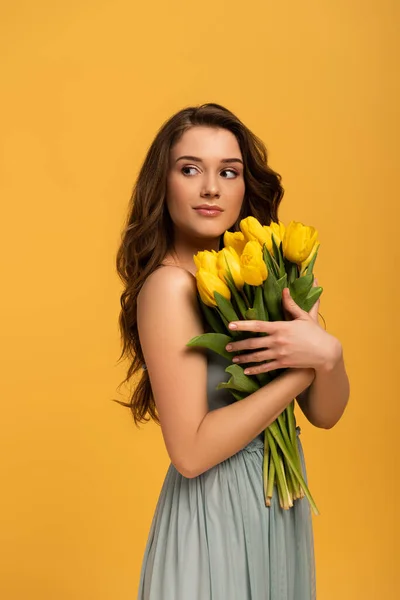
(213, 538)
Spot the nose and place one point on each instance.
(210, 188)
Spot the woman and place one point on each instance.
(212, 537)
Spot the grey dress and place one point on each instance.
(213, 538)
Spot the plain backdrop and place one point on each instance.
(85, 86)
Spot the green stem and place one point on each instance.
(266, 459)
(285, 435)
(293, 480)
(246, 300)
(291, 422)
(279, 471)
(271, 478)
(292, 433)
(275, 433)
(288, 488)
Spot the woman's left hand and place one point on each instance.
(296, 343)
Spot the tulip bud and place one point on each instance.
(228, 260)
(206, 260)
(253, 268)
(253, 231)
(298, 242)
(278, 230)
(235, 240)
(207, 284)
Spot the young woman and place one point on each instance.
(212, 537)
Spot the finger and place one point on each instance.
(264, 368)
(252, 325)
(313, 312)
(264, 355)
(249, 344)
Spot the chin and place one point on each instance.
(208, 230)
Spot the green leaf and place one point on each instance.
(212, 317)
(292, 270)
(251, 314)
(310, 265)
(212, 341)
(226, 308)
(300, 288)
(249, 293)
(311, 299)
(238, 299)
(263, 378)
(239, 381)
(282, 282)
(273, 298)
(238, 395)
(271, 263)
(259, 304)
(278, 252)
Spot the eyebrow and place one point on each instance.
(197, 159)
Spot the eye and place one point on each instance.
(231, 171)
(187, 168)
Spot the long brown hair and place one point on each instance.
(147, 235)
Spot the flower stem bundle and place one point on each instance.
(245, 280)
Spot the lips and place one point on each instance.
(212, 207)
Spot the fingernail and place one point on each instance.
(228, 347)
(232, 326)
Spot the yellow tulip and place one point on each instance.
(230, 256)
(253, 268)
(207, 284)
(206, 260)
(298, 242)
(253, 231)
(235, 240)
(278, 229)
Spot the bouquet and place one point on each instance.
(246, 280)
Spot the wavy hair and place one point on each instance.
(147, 235)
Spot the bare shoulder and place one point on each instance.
(168, 296)
(168, 280)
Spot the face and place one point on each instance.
(205, 170)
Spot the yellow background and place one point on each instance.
(85, 86)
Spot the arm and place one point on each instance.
(325, 400)
(196, 438)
